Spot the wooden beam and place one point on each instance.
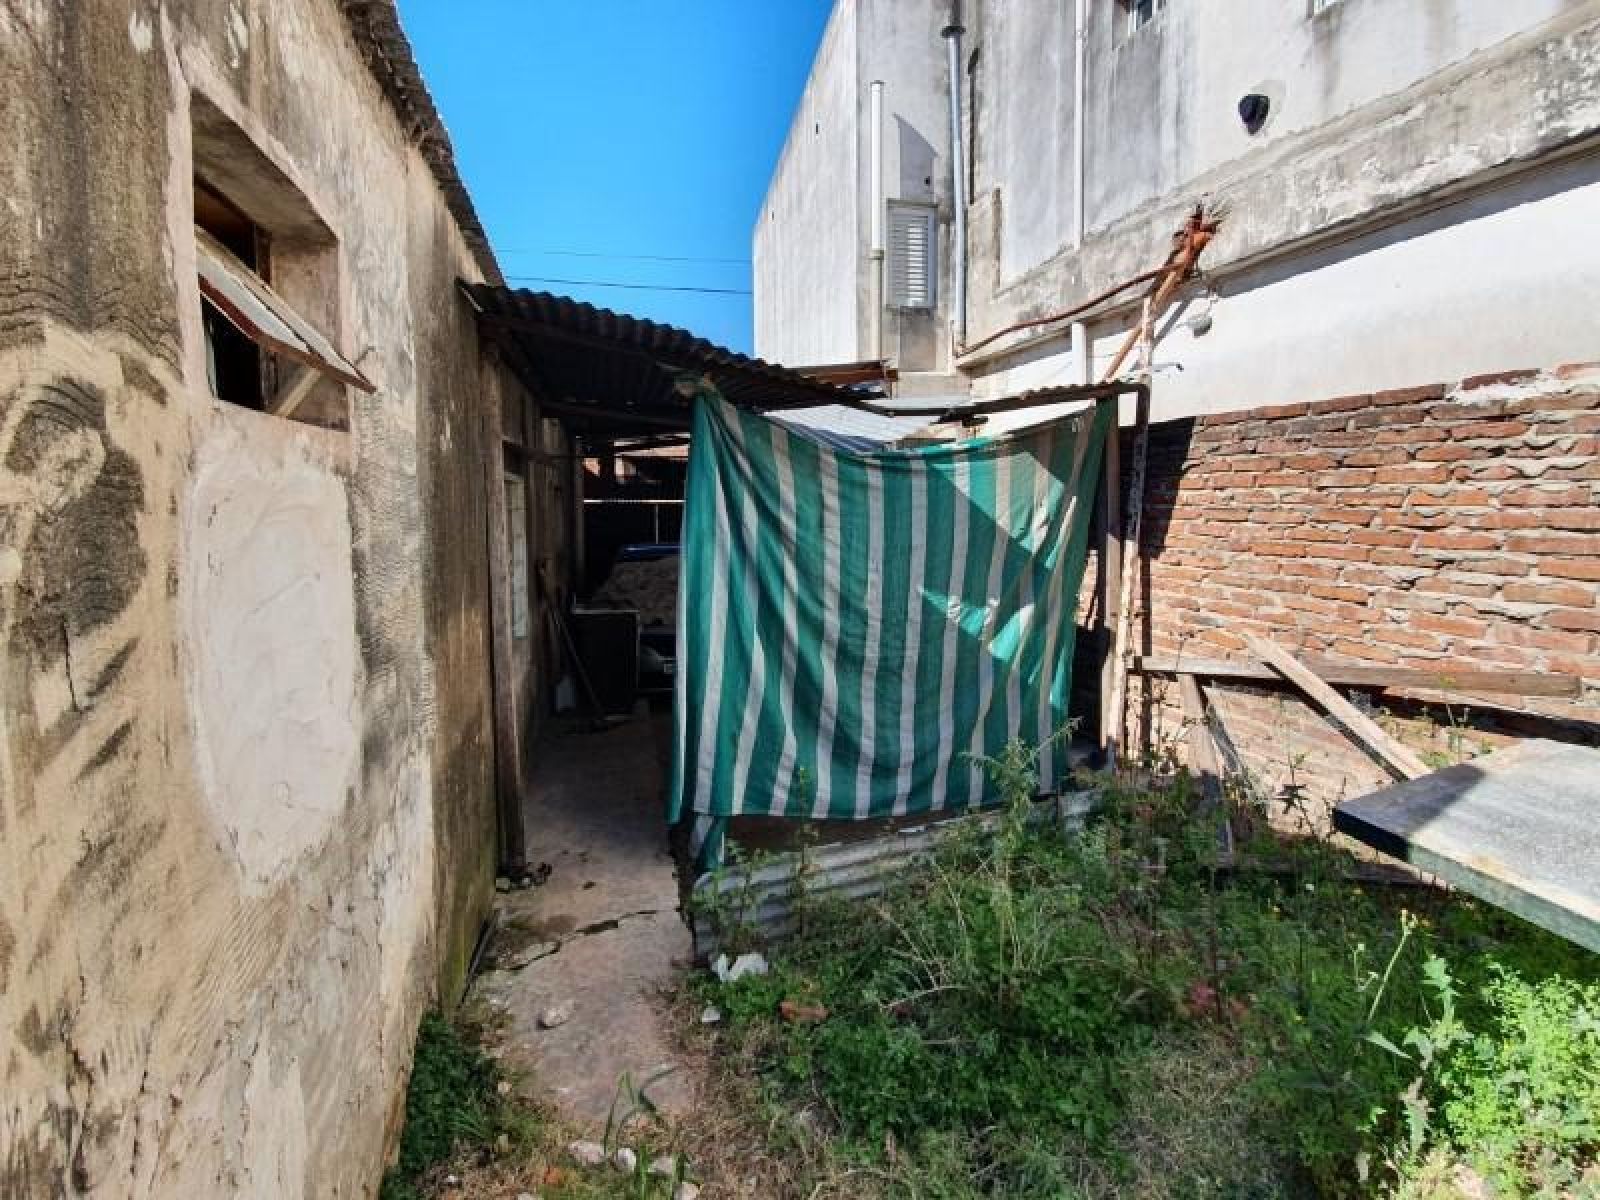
(292, 395)
(1445, 676)
(1110, 573)
(1401, 758)
(1117, 701)
(1202, 750)
(507, 732)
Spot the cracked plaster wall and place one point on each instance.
(246, 819)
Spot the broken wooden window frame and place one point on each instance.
(250, 305)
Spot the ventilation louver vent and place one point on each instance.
(911, 256)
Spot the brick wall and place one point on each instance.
(1450, 522)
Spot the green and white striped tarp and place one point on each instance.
(856, 628)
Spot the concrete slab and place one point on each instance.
(1516, 828)
(602, 936)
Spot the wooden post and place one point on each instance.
(1202, 750)
(1110, 572)
(503, 669)
(1117, 701)
(1187, 246)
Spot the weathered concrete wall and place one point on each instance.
(1379, 227)
(245, 816)
(1425, 170)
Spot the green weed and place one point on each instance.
(1041, 1011)
(452, 1101)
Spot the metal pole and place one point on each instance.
(958, 195)
(876, 199)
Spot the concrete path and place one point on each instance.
(601, 936)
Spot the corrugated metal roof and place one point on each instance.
(615, 375)
(375, 26)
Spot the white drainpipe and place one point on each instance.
(1080, 92)
(876, 199)
(958, 169)
(1080, 170)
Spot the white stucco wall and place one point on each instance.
(1407, 305)
(808, 246)
(1411, 183)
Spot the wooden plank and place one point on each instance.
(1446, 676)
(1516, 828)
(1402, 758)
(1117, 701)
(1110, 572)
(503, 670)
(1202, 750)
(293, 395)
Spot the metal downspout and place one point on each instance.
(958, 170)
(1080, 170)
(876, 199)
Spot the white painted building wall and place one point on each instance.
(1413, 210)
(810, 310)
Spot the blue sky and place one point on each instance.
(593, 134)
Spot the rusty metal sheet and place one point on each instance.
(855, 870)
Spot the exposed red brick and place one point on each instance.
(1494, 566)
(1443, 453)
(1489, 429)
(1350, 648)
(1378, 458)
(1478, 381)
(1356, 477)
(1395, 635)
(1412, 395)
(1450, 626)
(1409, 435)
(1455, 497)
(1570, 543)
(1336, 515)
(1571, 568)
(1412, 474)
(1548, 495)
(1586, 619)
(1402, 528)
(1378, 418)
(1457, 540)
(1569, 594)
(1340, 404)
(1379, 537)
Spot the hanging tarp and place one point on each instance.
(857, 628)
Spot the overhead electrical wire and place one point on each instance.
(635, 287)
(694, 258)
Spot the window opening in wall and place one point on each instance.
(912, 268)
(1322, 6)
(268, 281)
(235, 367)
(1139, 13)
